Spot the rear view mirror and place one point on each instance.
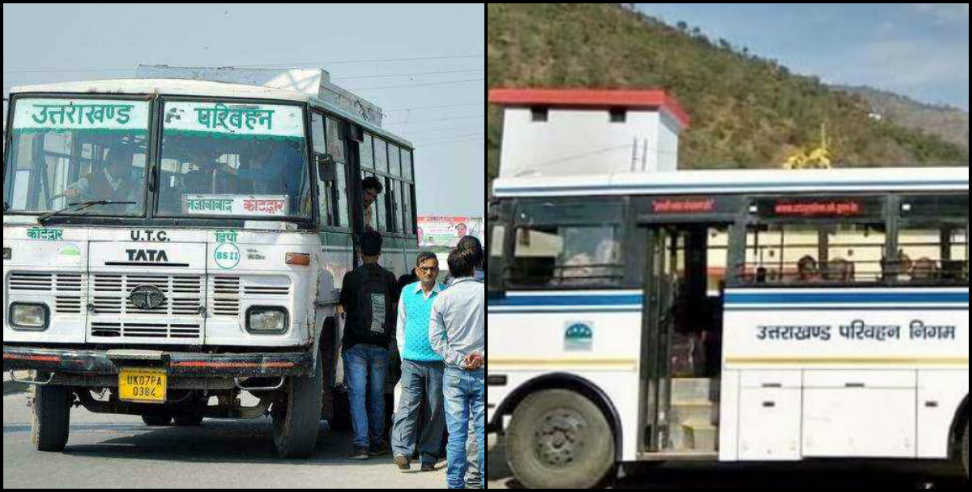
(325, 167)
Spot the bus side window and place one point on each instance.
(831, 252)
(932, 242)
(937, 253)
(320, 147)
(335, 147)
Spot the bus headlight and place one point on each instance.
(25, 316)
(262, 319)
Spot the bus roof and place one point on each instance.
(187, 87)
(739, 181)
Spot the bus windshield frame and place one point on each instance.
(235, 153)
(79, 161)
(151, 149)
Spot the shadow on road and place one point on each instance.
(217, 441)
(816, 474)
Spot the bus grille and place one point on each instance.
(145, 330)
(66, 288)
(184, 295)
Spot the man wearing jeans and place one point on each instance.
(368, 296)
(456, 332)
(421, 370)
(473, 477)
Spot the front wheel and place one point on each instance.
(297, 415)
(156, 419)
(188, 419)
(52, 417)
(559, 439)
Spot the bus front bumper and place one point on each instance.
(189, 364)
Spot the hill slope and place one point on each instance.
(950, 123)
(746, 112)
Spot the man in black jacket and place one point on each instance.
(368, 296)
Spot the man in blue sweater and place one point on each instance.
(422, 369)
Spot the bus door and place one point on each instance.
(657, 324)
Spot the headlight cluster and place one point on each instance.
(25, 316)
(266, 320)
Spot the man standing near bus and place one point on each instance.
(456, 332)
(473, 477)
(368, 297)
(371, 188)
(421, 370)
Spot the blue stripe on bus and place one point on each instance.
(845, 297)
(567, 300)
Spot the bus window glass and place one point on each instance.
(235, 160)
(410, 199)
(367, 152)
(72, 150)
(335, 144)
(933, 253)
(327, 188)
(567, 256)
(396, 203)
(717, 255)
(394, 164)
(407, 163)
(381, 206)
(406, 208)
(814, 253)
(371, 218)
(317, 133)
(381, 155)
(342, 190)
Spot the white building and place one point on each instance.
(555, 132)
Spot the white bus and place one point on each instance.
(168, 244)
(749, 315)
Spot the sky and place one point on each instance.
(916, 50)
(422, 64)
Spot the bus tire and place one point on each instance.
(52, 417)
(297, 414)
(559, 439)
(156, 419)
(187, 419)
(965, 450)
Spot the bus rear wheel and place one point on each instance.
(559, 439)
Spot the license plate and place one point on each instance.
(142, 385)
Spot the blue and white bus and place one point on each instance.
(747, 315)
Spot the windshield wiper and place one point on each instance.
(80, 206)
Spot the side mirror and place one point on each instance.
(325, 167)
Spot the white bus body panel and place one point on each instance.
(530, 335)
(260, 277)
(863, 385)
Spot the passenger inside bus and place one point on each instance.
(807, 269)
(839, 270)
(115, 180)
(924, 269)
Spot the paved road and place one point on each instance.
(861, 475)
(111, 451)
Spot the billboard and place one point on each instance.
(445, 231)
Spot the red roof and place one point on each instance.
(590, 97)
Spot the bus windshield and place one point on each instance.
(70, 150)
(233, 160)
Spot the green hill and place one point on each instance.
(747, 112)
(952, 124)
